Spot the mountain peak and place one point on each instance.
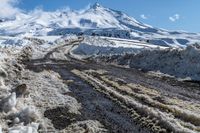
(96, 6)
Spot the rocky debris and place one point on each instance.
(3, 73)
(25, 54)
(18, 67)
(35, 40)
(60, 117)
(21, 90)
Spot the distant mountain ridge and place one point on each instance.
(97, 20)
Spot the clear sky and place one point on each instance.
(168, 14)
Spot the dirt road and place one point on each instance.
(123, 100)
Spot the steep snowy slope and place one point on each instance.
(97, 20)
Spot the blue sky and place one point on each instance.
(168, 14)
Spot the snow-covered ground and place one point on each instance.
(40, 93)
(136, 53)
(39, 52)
(12, 107)
(25, 95)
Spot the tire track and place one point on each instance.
(98, 106)
(147, 100)
(143, 106)
(136, 111)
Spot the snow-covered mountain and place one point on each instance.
(96, 20)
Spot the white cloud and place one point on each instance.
(8, 8)
(174, 18)
(143, 16)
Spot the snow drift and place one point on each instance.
(181, 63)
(98, 46)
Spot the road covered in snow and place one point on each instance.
(96, 70)
(49, 88)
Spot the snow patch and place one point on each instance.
(9, 103)
(31, 128)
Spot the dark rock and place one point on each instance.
(21, 90)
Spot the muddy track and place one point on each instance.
(143, 103)
(126, 100)
(95, 104)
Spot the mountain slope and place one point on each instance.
(97, 20)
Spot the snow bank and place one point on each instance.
(86, 50)
(181, 63)
(7, 100)
(96, 46)
(14, 118)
